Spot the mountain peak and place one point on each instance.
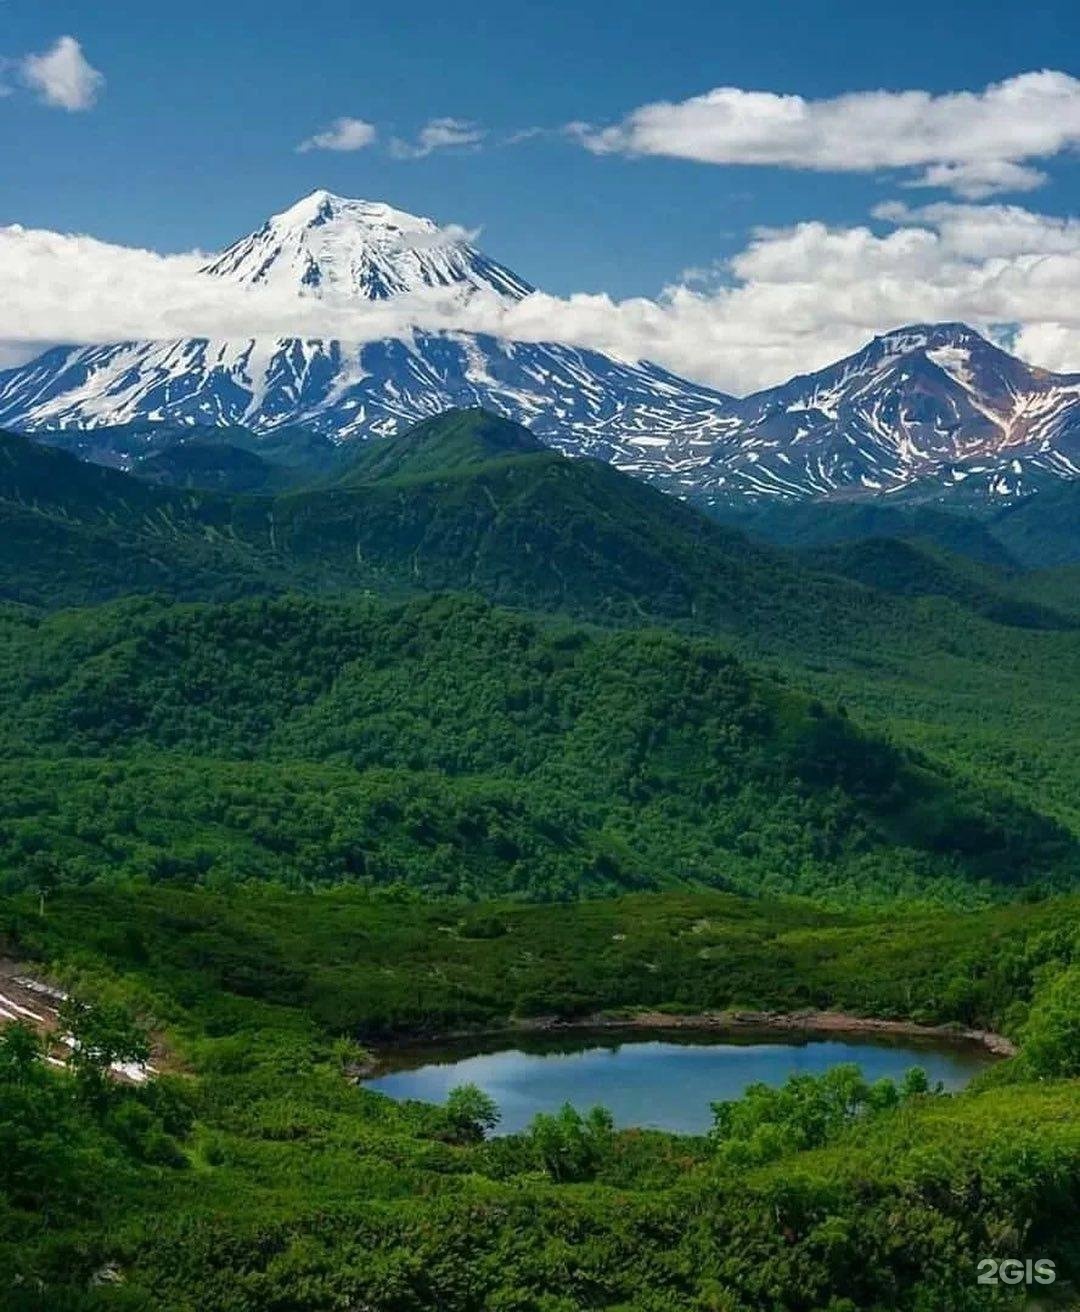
(923, 336)
(459, 438)
(336, 247)
(374, 217)
(920, 411)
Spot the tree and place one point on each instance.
(102, 1036)
(805, 1112)
(44, 1158)
(914, 1083)
(472, 1113)
(571, 1146)
(1052, 1036)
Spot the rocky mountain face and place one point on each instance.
(932, 410)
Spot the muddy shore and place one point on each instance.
(766, 1022)
(743, 1023)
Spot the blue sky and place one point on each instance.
(193, 140)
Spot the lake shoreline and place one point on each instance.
(736, 1023)
(768, 1022)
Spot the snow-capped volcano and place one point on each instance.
(935, 409)
(342, 250)
(332, 247)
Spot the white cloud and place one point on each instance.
(981, 231)
(794, 299)
(977, 179)
(63, 77)
(439, 134)
(342, 134)
(74, 288)
(972, 142)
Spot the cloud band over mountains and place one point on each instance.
(792, 300)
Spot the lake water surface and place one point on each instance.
(664, 1081)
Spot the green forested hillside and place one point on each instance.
(471, 502)
(1058, 588)
(1039, 531)
(460, 439)
(1043, 530)
(452, 746)
(910, 568)
(644, 769)
(379, 963)
(215, 458)
(74, 533)
(260, 778)
(530, 529)
(214, 467)
(809, 524)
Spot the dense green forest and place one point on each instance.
(229, 458)
(976, 672)
(302, 751)
(458, 748)
(1037, 531)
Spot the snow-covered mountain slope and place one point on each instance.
(933, 411)
(929, 410)
(332, 247)
(580, 401)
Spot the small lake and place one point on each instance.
(663, 1081)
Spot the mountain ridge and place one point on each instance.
(570, 540)
(916, 411)
(469, 502)
(927, 412)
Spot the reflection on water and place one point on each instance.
(663, 1082)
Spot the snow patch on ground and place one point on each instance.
(27, 1000)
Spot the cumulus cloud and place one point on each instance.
(973, 142)
(342, 134)
(980, 232)
(439, 134)
(793, 299)
(63, 77)
(977, 179)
